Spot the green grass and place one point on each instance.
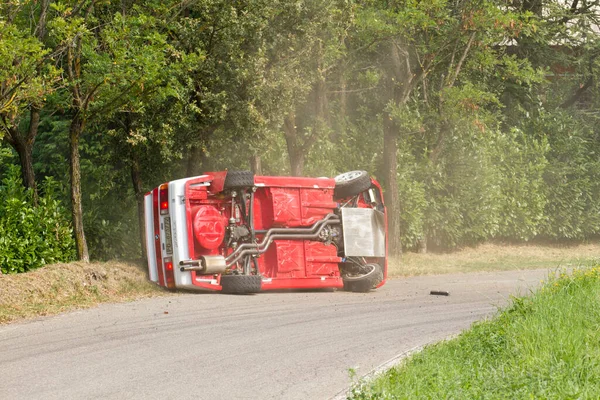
(546, 346)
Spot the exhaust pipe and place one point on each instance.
(285, 231)
(262, 247)
(207, 265)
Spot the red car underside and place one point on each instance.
(278, 202)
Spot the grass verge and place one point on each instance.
(546, 346)
(495, 257)
(63, 287)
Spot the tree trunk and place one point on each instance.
(297, 163)
(136, 180)
(197, 161)
(40, 30)
(25, 152)
(255, 164)
(392, 201)
(299, 145)
(321, 102)
(422, 245)
(77, 125)
(343, 111)
(399, 90)
(194, 161)
(23, 145)
(295, 151)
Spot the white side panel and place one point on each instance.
(183, 279)
(151, 250)
(179, 230)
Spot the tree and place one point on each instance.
(217, 41)
(419, 51)
(300, 47)
(26, 77)
(110, 60)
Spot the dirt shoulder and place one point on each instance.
(496, 257)
(63, 287)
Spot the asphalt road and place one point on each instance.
(291, 345)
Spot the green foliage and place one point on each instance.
(522, 163)
(414, 202)
(544, 346)
(32, 236)
(4, 154)
(110, 210)
(25, 77)
(112, 236)
(571, 179)
(463, 193)
(496, 125)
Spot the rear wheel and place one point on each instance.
(351, 183)
(363, 280)
(239, 179)
(241, 284)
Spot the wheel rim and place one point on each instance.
(348, 176)
(356, 277)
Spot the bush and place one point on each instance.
(522, 163)
(572, 182)
(463, 193)
(112, 236)
(32, 236)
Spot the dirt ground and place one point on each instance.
(62, 287)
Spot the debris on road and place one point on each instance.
(439, 293)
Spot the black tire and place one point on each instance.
(351, 183)
(238, 179)
(241, 284)
(366, 282)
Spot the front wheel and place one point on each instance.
(369, 276)
(351, 183)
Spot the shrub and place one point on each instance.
(572, 183)
(32, 236)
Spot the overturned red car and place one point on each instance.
(236, 232)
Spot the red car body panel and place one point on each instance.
(202, 214)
